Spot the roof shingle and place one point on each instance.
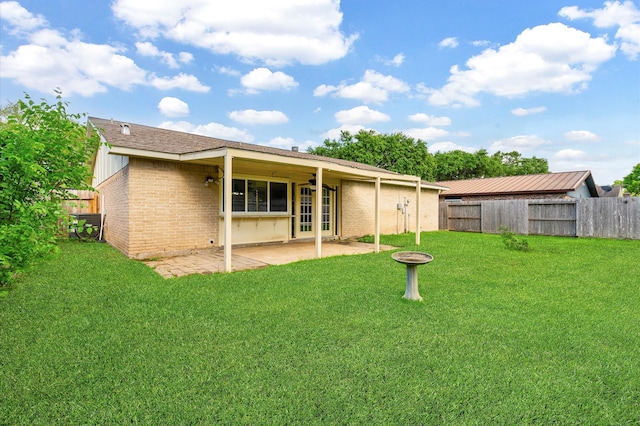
(174, 142)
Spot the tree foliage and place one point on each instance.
(458, 165)
(43, 152)
(631, 182)
(395, 152)
(400, 153)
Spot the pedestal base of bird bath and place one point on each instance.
(412, 259)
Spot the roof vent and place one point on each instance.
(124, 129)
(294, 148)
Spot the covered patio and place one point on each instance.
(255, 159)
(255, 257)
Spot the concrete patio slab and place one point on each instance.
(243, 258)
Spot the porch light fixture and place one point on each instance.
(209, 180)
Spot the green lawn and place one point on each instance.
(502, 337)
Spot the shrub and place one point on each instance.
(44, 152)
(512, 241)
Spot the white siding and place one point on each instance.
(107, 164)
(581, 192)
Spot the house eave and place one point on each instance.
(132, 152)
(265, 157)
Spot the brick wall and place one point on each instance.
(159, 208)
(115, 191)
(172, 211)
(358, 203)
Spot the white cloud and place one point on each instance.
(263, 79)
(547, 58)
(430, 120)
(51, 61)
(480, 43)
(360, 115)
(276, 33)
(451, 42)
(251, 116)
(624, 15)
(214, 130)
(228, 71)
(570, 155)
(20, 18)
(426, 134)
(518, 143)
(520, 112)
(173, 107)
(335, 133)
(185, 57)
(396, 61)
(149, 49)
(374, 87)
(630, 35)
(449, 146)
(180, 81)
(581, 136)
(281, 142)
(288, 143)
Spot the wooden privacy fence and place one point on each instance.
(82, 202)
(585, 217)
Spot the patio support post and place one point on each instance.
(377, 217)
(228, 177)
(418, 193)
(317, 220)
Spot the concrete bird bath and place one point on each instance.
(412, 259)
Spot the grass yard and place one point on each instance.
(502, 337)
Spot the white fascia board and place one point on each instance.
(204, 155)
(132, 152)
(412, 184)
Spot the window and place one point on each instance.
(452, 199)
(277, 197)
(306, 209)
(326, 209)
(238, 191)
(256, 196)
(250, 195)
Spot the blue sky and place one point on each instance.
(552, 79)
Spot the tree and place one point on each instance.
(631, 182)
(44, 151)
(402, 154)
(514, 164)
(457, 165)
(395, 152)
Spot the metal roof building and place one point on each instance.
(578, 184)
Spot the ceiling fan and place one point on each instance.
(312, 184)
